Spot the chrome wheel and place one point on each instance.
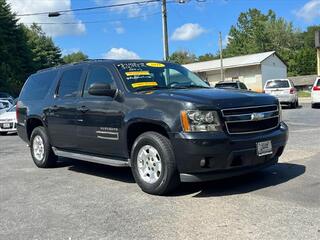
(149, 164)
(38, 148)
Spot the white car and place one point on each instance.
(315, 93)
(284, 90)
(8, 121)
(4, 106)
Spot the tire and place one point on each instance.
(297, 103)
(39, 140)
(164, 180)
(293, 105)
(3, 133)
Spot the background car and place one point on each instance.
(8, 121)
(231, 85)
(284, 90)
(315, 93)
(5, 105)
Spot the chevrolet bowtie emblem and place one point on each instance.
(257, 116)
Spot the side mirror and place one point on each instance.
(102, 89)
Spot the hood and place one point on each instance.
(8, 115)
(219, 98)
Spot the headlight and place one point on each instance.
(199, 121)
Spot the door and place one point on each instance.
(62, 114)
(100, 117)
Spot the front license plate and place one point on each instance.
(264, 148)
(6, 125)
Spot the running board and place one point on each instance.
(90, 158)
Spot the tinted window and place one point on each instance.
(242, 86)
(227, 85)
(278, 84)
(69, 83)
(38, 85)
(318, 83)
(98, 75)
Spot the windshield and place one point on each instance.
(154, 75)
(226, 85)
(278, 84)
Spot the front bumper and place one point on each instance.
(12, 127)
(224, 155)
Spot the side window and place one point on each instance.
(69, 83)
(38, 85)
(98, 75)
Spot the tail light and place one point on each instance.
(292, 90)
(316, 88)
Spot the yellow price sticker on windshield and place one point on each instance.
(137, 73)
(144, 84)
(155, 64)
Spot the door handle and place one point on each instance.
(83, 109)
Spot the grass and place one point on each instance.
(303, 94)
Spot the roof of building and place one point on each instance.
(232, 62)
(307, 80)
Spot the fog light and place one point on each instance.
(203, 162)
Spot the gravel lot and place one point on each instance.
(80, 200)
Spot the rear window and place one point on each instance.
(38, 85)
(227, 85)
(278, 84)
(318, 83)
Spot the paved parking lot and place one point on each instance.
(80, 200)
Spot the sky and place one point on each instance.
(135, 31)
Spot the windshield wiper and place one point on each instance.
(150, 88)
(188, 86)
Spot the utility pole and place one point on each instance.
(165, 31)
(221, 58)
(317, 45)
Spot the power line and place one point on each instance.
(93, 22)
(90, 8)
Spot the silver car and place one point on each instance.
(284, 90)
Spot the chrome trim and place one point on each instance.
(226, 109)
(89, 158)
(252, 120)
(226, 121)
(115, 134)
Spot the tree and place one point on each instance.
(15, 56)
(257, 32)
(182, 57)
(75, 57)
(44, 52)
(207, 57)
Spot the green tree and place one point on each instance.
(207, 57)
(75, 57)
(257, 32)
(44, 52)
(182, 57)
(15, 56)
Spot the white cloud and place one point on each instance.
(131, 10)
(187, 32)
(310, 11)
(120, 53)
(118, 27)
(33, 6)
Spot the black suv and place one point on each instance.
(156, 117)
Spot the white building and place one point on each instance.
(254, 69)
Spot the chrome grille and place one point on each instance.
(251, 119)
